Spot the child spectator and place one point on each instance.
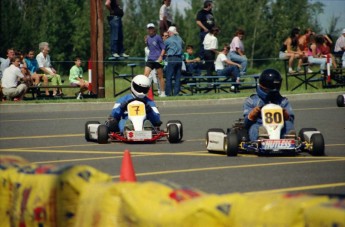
(32, 65)
(226, 67)
(76, 78)
(192, 62)
(211, 49)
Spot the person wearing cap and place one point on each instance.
(174, 51)
(156, 47)
(270, 82)
(205, 22)
(116, 32)
(165, 16)
(339, 48)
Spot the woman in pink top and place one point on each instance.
(315, 55)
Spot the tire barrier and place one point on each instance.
(81, 196)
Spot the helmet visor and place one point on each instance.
(141, 89)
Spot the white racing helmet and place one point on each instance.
(140, 86)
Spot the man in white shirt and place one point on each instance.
(226, 67)
(339, 48)
(9, 82)
(211, 49)
(6, 62)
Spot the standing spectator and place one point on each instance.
(174, 51)
(76, 77)
(226, 67)
(289, 49)
(165, 16)
(6, 62)
(237, 53)
(156, 47)
(192, 62)
(211, 49)
(46, 67)
(339, 48)
(116, 32)
(32, 66)
(9, 83)
(205, 21)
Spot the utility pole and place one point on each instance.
(97, 55)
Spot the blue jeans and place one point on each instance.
(193, 68)
(318, 61)
(229, 71)
(254, 130)
(116, 35)
(242, 60)
(173, 70)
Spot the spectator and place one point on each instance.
(76, 78)
(326, 48)
(314, 52)
(165, 16)
(237, 53)
(174, 51)
(267, 92)
(165, 35)
(339, 48)
(32, 66)
(116, 32)
(6, 62)
(226, 67)
(44, 63)
(118, 121)
(304, 40)
(289, 49)
(9, 83)
(205, 21)
(211, 49)
(29, 81)
(192, 62)
(156, 47)
(153, 73)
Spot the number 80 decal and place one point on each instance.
(273, 116)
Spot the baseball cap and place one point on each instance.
(150, 25)
(344, 31)
(172, 29)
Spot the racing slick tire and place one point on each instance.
(87, 133)
(232, 143)
(173, 134)
(303, 130)
(180, 128)
(102, 133)
(207, 139)
(318, 145)
(340, 101)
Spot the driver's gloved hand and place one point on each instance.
(254, 114)
(123, 106)
(148, 108)
(286, 115)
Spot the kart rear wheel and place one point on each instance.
(178, 123)
(317, 145)
(303, 130)
(232, 143)
(102, 133)
(87, 133)
(340, 101)
(207, 139)
(173, 134)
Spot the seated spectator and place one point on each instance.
(23, 68)
(237, 53)
(192, 62)
(226, 67)
(339, 48)
(4, 63)
(289, 50)
(76, 78)
(314, 52)
(326, 48)
(32, 65)
(211, 49)
(46, 67)
(9, 83)
(303, 42)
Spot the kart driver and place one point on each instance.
(118, 119)
(267, 92)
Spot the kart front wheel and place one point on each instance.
(340, 101)
(303, 130)
(232, 144)
(173, 134)
(102, 133)
(87, 132)
(177, 122)
(317, 145)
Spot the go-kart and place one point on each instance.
(94, 131)
(236, 139)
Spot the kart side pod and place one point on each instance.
(216, 140)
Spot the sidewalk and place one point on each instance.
(85, 106)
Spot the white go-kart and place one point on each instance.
(94, 131)
(236, 139)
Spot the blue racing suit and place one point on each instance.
(260, 99)
(122, 116)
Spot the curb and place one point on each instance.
(86, 106)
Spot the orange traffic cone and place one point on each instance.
(150, 94)
(127, 170)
